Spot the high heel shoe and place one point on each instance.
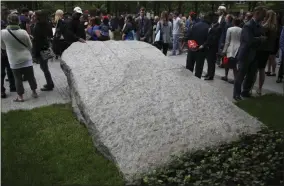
(279, 80)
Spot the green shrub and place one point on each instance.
(253, 160)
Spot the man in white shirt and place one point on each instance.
(176, 33)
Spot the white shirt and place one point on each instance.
(16, 52)
(176, 25)
(220, 19)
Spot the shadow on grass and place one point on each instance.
(48, 146)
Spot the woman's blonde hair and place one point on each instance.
(270, 20)
(58, 15)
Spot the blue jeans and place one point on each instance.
(175, 43)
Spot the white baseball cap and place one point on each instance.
(78, 10)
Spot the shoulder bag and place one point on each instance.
(17, 38)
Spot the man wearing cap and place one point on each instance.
(75, 30)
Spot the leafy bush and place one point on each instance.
(253, 160)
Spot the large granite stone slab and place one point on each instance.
(140, 108)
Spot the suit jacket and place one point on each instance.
(233, 41)
(199, 32)
(281, 41)
(213, 38)
(147, 28)
(250, 41)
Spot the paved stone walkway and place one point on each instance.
(270, 85)
(60, 94)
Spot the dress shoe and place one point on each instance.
(237, 98)
(206, 75)
(246, 95)
(46, 89)
(224, 78)
(279, 80)
(209, 78)
(3, 95)
(13, 90)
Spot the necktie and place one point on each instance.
(142, 26)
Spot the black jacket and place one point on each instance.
(74, 31)
(213, 38)
(42, 34)
(59, 29)
(199, 32)
(250, 41)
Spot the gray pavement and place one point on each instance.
(60, 94)
(270, 85)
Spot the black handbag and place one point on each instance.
(47, 54)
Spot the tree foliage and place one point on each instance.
(131, 7)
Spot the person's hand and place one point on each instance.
(82, 40)
(200, 47)
(142, 38)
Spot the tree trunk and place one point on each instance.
(158, 8)
(253, 5)
(64, 6)
(108, 6)
(180, 7)
(169, 6)
(196, 6)
(143, 4)
(212, 6)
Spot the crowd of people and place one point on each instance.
(245, 43)
(246, 46)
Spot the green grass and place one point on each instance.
(269, 109)
(48, 146)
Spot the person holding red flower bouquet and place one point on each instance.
(231, 47)
(196, 37)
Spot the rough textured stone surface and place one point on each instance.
(140, 108)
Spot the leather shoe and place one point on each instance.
(246, 95)
(209, 78)
(46, 89)
(13, 90)
(3, 95)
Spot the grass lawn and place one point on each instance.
(269, 109)
(47, 146)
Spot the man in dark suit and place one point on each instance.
(198, 33)
(251, 38)
(212, 46)
(144, 27)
